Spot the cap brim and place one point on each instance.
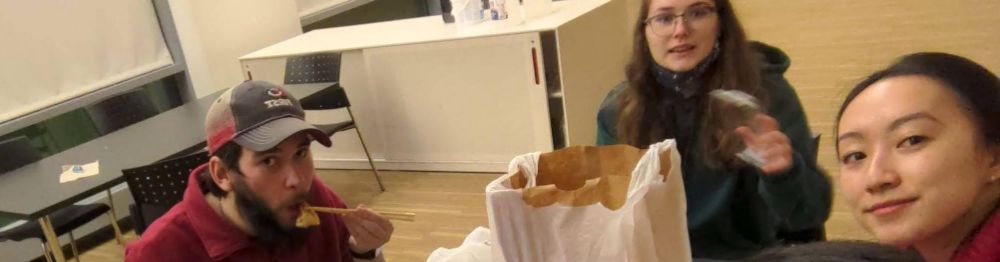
(271, 134)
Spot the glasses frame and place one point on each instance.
(684, 18)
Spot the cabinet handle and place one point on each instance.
(534, 62)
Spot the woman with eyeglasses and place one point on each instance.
(683, 50)
(919, 146)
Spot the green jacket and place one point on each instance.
(735, 214)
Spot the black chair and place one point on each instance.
(325, 68)
(120, 111)
(159, 186)
(18, 152)
(64, 220)
(334, 97)
(808, 235)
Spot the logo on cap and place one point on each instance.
(275, 92)
(280, 101)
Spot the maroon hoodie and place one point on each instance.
(984, 245)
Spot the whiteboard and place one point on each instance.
(57, 50)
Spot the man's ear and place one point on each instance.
(221, 174)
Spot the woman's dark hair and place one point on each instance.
(638, 124)
(836, 251)
(230, 156)
(977, 89)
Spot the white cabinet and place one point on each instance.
(435, 96)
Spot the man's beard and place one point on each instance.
(263, 221)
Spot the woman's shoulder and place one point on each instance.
(772, 60)
(611, 99)
(607, 115)
(773, 63)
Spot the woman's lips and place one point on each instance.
(891, 206)
(681, 48)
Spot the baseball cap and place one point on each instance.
(257, 115)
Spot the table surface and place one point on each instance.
(33, 191)
(418, 30)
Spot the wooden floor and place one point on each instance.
(448, 207)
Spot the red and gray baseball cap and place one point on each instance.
(257, 115)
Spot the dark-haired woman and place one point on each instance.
(919, 145)
(683, 49)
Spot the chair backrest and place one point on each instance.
(159, 186)
(318, 68)
(332, 97)
(121, 111)
(314, 68)
(18, 151)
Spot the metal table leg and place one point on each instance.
(114, 219)
(51, 238)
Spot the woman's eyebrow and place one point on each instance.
(911, 117)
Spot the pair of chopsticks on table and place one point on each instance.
(403, 216)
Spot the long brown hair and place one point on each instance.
(734, 69)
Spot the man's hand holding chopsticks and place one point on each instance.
(368, 229)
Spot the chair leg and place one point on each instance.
(45, 252)
(72, 245)
(114, 219)
(357, 129)
(51, 239)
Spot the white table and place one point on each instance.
(435, 96)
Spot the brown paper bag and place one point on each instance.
(584, 175)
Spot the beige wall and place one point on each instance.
(213, 34)
(834, 46)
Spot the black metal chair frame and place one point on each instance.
(335, 97)
(159, 186)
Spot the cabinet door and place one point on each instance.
(465, 105)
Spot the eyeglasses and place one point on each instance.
(695, 17)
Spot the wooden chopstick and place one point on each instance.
(404, 216)
(340, 211)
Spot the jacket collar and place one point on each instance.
(219, 237)
(685, 83)
(982, 246)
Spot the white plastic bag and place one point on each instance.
(651, 225)
(475, 248)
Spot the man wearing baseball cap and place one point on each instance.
(242, 204)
